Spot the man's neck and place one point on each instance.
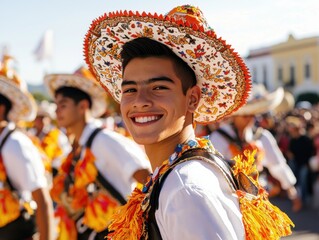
(76, 130)
(160, 151)
(3, 124)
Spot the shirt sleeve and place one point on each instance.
(118, 158)
(197, 203)
(23, 163)
(276, 162)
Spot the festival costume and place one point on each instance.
(52, 143)
(91, 201)
(269, 154)
(228, 142)
(21, 168)
(224, 82)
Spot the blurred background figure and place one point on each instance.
(51, 141)
(25, 204)
(314, 168)
(241, 132)
(299, 152)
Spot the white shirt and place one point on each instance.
(273, 159)
(117, 157)
(196, 202)
(23, 163)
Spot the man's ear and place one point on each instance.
(194, 95)
(84, 105)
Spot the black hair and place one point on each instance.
(145, 47)
(74, 93)
(7, 103)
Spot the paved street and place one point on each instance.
(306, 221)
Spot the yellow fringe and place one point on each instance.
(127, 220)
(261, 219)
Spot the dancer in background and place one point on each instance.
(25, 204)
(103, 167)
(240, 133)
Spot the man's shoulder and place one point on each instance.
(18, 137)
(199, 174)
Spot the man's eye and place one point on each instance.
(129, 90)
(160, 88)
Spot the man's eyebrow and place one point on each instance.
(158, 79)
(128, 82)
(151, 80)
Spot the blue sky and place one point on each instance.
(245, 24)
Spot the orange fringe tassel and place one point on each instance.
(128, 219)
(261, 219)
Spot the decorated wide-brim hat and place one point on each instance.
(14, 88)
(261, 101)
(221, 74)
(83, 80)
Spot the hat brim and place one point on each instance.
(23, 104)
(263, 104)
(287, 104)
(221, 74)
(97, 94)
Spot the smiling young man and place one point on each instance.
(103, 167)
(168, 72)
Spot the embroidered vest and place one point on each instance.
(92, 197)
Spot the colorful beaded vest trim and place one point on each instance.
(261, 219)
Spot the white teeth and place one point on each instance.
(146, 119)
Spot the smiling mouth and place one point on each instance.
(146, 119)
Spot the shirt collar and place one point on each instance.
(88, 130)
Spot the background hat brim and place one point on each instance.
(221, 74)
(96, 92)
(287, 104)
(23, 104)
(263, 104)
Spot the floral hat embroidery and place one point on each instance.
(12, 87)
(221, 74)
(83, 80)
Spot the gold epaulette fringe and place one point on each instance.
(261, 219)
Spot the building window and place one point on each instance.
(292, 81)
(265, 76)
(254, 74)
(307, 71)
(280, 77)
